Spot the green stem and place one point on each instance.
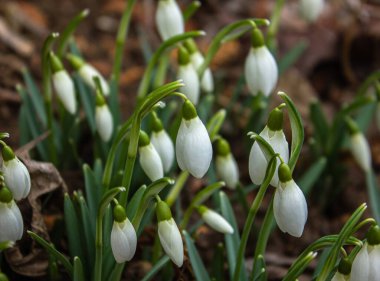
(180, 183)
(159, 78)
(120, 39)
(46, 89)
(251, 216)
(191, 9)
(275, 23)
(144, 84)
(218, 39)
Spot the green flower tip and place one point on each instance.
(100, 101)
(284, 173)
(119, 213)
(202, 209)
(3, 277)
(55, 62)
(7, 153)
(344, 266)
(5, 195)
(163, 211)
(352, 126)
(222, 147)
(75, 61)
(276, 119)
(157, 124)
(188, 110)
(257, 38)
(191, 46)
(143, 139)
(373, 235)
(183, 56)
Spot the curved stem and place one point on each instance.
(369, 221)
(275, 23)
(180, 183)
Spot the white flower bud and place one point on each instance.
(169, 19)
(171, 240)
(227, 169)
(104, 122)
(17, 178)
(193, 147)
(374, 262)
(339, 277)
(123, 241)
(257, 161)
(165, 148)
(189, 76)
(261, 71)
(150, 162)
(215, 221)
(65, 90)
(88, 72)
(360, 265)
(207, 81)
(290, 208)
(361, 151)
(11, 223)
(311, 9)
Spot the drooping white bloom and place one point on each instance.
(290, 208)
(11, 223)
(123, 241)
(311, 9)
(65, 90)
(261, 71)
(216, 221)
(193, 147)
(169, 19)
(339, 277)
(227, 169)
(374, 262)
(171, 240)
(257, 161)
(360, 265)
(207, 80)
(361, 151)
(165, 148)
(104, 122)
(88, 72)
(150, 162)
(17, 178)
(189, 76)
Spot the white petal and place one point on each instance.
(257, 161)
(217, 222)
(374, 263)
(165, 148)
(104, 122)
(17, 178)
(290, 208)
(360, 265)
(190, 77)
(261, 71)
(169, 19)
(65, 90)
(227, 169)
(123, 241)
(311, 9)
(88, 72)
(11, 223)
(207, 81)
(338, 277)
(151, 162)
(361, 151)
(193, 147)
(171, 240)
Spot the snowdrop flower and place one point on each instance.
(289, 205)
(197, 59)
(103, 118)
(87, 72)
(16, 175)
(188, 73)
(193, 144)
(150, 160)
(169, 19)
(11, 223)
(359, 146)
(123, 236)
(226, 166)
(163, 144)
(169, 234)
(373, 240)
(275, 136)
(344, 270)
(360, 265)
(311, 9)
(261, 71)
(215, 221)
(63, 85)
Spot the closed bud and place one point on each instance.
(150, 160)
(189, 75)
(360, 265)
(123, 240)
(215, 221)
(359, 146)
(165, 148)
(88, 72)
(226, 166)
(11, 223)
(169, 19)
(104, 121)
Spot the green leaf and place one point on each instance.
(88, 101)
(134, 203)
(93, 190)
(292, 56)
(156, 268)
(191, 9)
(321, 127)
(75, 242)
(48, 247)
(88, 225)
(373, 194)
(199, 269)
(205, 106)
(78, 270)
(218, 263)
(314, 172)
(215, 123)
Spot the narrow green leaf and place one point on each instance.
(218, 263)
(93, 190)
(88, 225)
(88, 101)
(321, 127)
(373, 194)
(204, 107)
(215, 123)
(78, 270)
(200, 271)
(156, 268)
(72, 228)
(191, 9)
(292, 56)
(134, 203)
(314, 172)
